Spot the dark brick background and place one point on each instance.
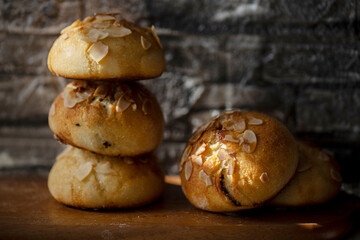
(295, 60)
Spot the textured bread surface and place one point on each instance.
(109, 118)
(316, 181)
(87, 180)
(238, 160)
(105, 47)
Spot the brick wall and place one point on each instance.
(295, 60)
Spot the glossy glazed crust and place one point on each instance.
(112, 182)
(247, 176)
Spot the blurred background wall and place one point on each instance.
(295, 60)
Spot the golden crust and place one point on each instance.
(113, 119)
(87, 180)
(121, 51)
(316, 181)
(237, 161)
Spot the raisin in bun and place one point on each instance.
(317, 179)
(103, 47)
(237, 161)
(87, 180)
(109, 118)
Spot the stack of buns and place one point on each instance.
(242, 160)
(111, 123)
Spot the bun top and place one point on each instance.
(107, 47)
(248, 156)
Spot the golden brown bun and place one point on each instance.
(88, 180)
(102, 47)
(317, 179)
(112, 119)
(237, 161)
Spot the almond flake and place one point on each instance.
(188, 170)
(101, 91)
(104, 168)
(223, 155)
(64, 36)
(105, 18)
(89, 19)
(83, 171)
(118, 32)
(254, 121)
(93, 35)
(156, 36)
(98, 51)
(52, 109)
(229, 138)
(205, 178)
(335, 175)
(146, 106)
(100, 25)
(246, 148)
(231, 167)
(134, 106)
(145, 43)
(122, 104)
(197, 159)
(215, 146)
(201, 149)
(250, 141)
(264, 177)
(185, 155)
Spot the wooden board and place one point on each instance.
(27, 211)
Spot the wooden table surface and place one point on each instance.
(27, 211)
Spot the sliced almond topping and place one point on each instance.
(70, 98)
(212, 164)
(254, 121)
(122, 104)
(250, 141)
(101, 24)
(105, 18)
(93, 35)
(201, 149)
(229, 138)
(264, 177)
(241, 140)
(146, 106)
(104, 168)
(83, 171)
(101, 91)
(73, 25)
(134, 106)
(223, 155)
(335, 175)
(215, 146)
(98, 51)
(197, 159)
(145, 43)
(89, 19)
(64, 36)
(240, 125)
(188, 170)
(156, 36)
(205, 178)
(231, 167)
(118, 32)
(128, 160)
(185, 155)
(52, 109)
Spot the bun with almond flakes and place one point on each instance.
(109, 118)
(88, 180)
(106, 47)
(316, 181)
(236, 161)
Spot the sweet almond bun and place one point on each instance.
(87, 180)
(236, 161)
(104, 47)
(316, 181)
(109, 118)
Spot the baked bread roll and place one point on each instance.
(102, 47)
(317, 179)
(109, 118)
(237, 161)
(87, 180)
